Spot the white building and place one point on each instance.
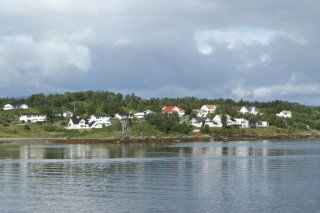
(100, 119)
(121, 116)
(284, 114)
(249, 110)
(173, 109)
(259, 124)
(78, 123)
(142, 114)
(66, 114)
(198, 122)
(24, 106)
(81, 123)
(33, 117)
(8, 107)
(16, 106)
(243, 123)
(231, 122)
(205, 110)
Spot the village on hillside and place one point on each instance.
(204, 116)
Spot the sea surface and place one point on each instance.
(256, 176)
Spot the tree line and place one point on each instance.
(86, 103)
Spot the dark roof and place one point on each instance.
(77, 120)
(201, 119)
(123, 114)
(32, 114)
(92, 123)
(250, 108)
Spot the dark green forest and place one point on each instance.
(86, 103)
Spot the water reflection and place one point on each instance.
(181, 177)
(110, 151)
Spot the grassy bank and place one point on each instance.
(143, 132)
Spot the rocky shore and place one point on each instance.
(154, 139)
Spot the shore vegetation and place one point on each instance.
(304, 120)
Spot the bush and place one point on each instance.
(26, 127)
(49, 128)
(144, 129)
(5, 124)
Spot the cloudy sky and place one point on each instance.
(255, 50)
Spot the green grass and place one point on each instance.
(256, 131)
(137, 129)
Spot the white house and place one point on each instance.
(81, 123)
(205, 110)
(284, 114)
(24, 106)
(66, 114)
(121, 116)
(33, 117)
(243, 123)
(217, 120)
(173, 109)
(96, 125)
(249, 110)
(100, 119)
(16, 106)
(259, 124)
(142, 114)
(139, 114)
(198, 122)
(78, 123)
(210, 123)
(8, 107)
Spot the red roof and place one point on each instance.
(168, 108)
(209, 106)
(181, 109)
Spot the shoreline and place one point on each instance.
(169, 139)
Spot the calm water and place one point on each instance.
(258, 176)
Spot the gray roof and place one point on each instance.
(77, 120)
(201, 119)
(250, 108)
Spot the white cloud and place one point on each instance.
(122, 41)
(254, 44)
(24, 57)
(56, 55)
(206, 40)
(23, 39)
(275, 91)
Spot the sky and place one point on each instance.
(252, 50)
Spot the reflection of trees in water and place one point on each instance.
(106, 159)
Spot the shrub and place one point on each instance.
(26, 127)
(49, 128)
(5, 124)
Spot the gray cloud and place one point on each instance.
(252, 50)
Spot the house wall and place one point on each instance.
(7, 107)
(32, 118)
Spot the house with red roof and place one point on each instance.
(173, 109)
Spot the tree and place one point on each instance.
(185, 128)
(192, 115)
(224, 120)
(175, 117)
(205, 129)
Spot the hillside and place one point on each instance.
(86, 103)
